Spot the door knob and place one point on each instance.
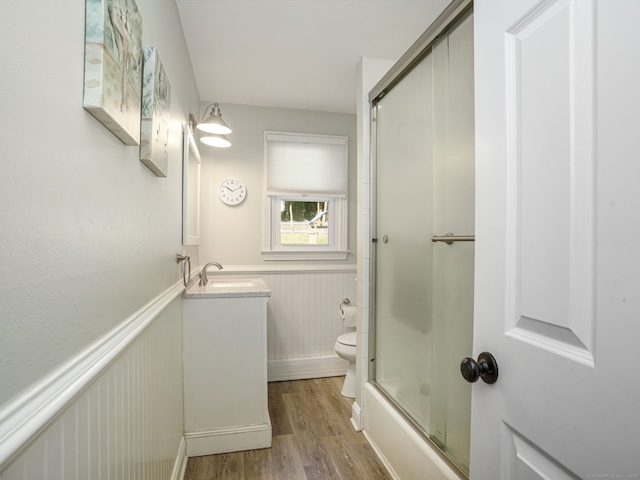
(486, 368)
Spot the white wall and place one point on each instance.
(232, 235)
(88, 240)
(88, 233)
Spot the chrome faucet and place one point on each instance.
(203, 273)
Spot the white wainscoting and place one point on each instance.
(115, 411)
(303, 322)
(303, 317)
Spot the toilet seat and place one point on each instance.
(348, 339)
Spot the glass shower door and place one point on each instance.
(454, 212)
(424, 186)
(403, 260)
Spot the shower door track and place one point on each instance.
(455, 10)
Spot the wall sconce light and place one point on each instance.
(214, 128)
(216, 140)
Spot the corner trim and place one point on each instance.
(25, 417)
(356, 417)
(180, 464)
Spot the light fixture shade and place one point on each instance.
(215, 140)
(215, 123)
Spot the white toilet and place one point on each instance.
(346, 348)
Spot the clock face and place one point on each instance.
(232, 191)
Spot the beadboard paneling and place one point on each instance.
(304, 312)
(126, 424)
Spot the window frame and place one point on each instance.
(338, 213)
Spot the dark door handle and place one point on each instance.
(486, 368)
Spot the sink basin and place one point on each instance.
(226, 287)
(216, 284)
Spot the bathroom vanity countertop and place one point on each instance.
(228, 287)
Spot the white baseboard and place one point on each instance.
(228, 439)
(310, 367)
(180, 465)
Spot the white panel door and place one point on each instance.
(557, 298)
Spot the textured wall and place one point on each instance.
(234, 234)
(88, 233)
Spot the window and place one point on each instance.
(306, 197)
(304, 222)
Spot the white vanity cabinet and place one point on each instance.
(225, 366)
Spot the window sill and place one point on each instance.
(309, 255)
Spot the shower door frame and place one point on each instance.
(416, 53)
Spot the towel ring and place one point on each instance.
(185, 277)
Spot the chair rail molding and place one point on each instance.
(28, 415)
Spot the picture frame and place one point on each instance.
(155, 114)
(113, 66)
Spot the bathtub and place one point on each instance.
(404, 452)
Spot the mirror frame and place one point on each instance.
(190, 193)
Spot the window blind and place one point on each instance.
(304, 164)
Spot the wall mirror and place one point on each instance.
(190, 189)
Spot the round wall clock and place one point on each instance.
(232, 191)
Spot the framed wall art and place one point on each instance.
(113, 66)
(156, 102)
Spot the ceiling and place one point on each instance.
(295, 53)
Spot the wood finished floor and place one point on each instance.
(312, 440)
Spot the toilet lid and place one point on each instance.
(348, 339)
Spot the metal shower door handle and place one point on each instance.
(449, 238)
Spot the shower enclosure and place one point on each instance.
(423, 227)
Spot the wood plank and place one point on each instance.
(229, 466)
(337, 412)
(258, 465)
(200, 468)
(367, 462)
(313, 439)
(286, 458)
(341, 459)
(306, 430)
(280, 424)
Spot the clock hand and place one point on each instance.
(228, 188)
